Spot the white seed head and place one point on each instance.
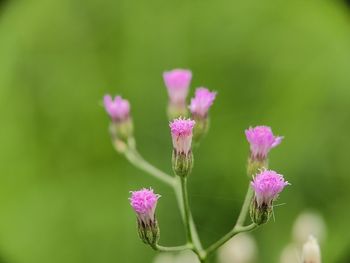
(240, 249)
(311, 251)
(309, 223)
(164, 258)
(290, 254)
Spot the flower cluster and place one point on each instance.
(188, 124)
(177, 82)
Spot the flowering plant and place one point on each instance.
(188, 125)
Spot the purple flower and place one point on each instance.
(144, 203)
(181, 133)
(261, 141)
(267, 185)
(202, 101)
(118, 109)
(177, 82)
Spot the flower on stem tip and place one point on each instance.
(261, 140)
(121, 127)
(177, 82)
(201, 102)
(266, 185)
(181, 133)
(144, 203)
(118, 108)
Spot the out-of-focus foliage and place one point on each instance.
(63, 190)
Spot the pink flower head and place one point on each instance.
(181, 133)
(177, 82)
(267, 185)
(202, 101)
(118, 109)
(144, 203)
(261, 141)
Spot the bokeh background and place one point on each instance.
(63, 189)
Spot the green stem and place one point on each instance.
(186, 209)
(136, 159)
(245, 207)
(195, 238)
(229, 235)
(238, 228)
(173, 249)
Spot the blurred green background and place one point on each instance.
(63, 189)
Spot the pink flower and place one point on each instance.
(177, 82)
(267, 185)
(202, 101)
(118, 109)
(144, 203)
(261, 141)
(181, 133)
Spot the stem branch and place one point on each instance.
(136, 159)
(245, 207)
(229, 235)
(173, 249)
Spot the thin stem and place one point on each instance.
(245, 207)
(238, 228)
(229, 235)
(136, 159)
(186, 209)
(173, 249)
(195, 238)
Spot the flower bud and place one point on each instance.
(261, 140)
(181, 133)
(266, 185)
(177, 83)
(119, 112)
(144, 203)
(199, 108)
(311, 251)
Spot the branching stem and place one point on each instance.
(179, 186)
